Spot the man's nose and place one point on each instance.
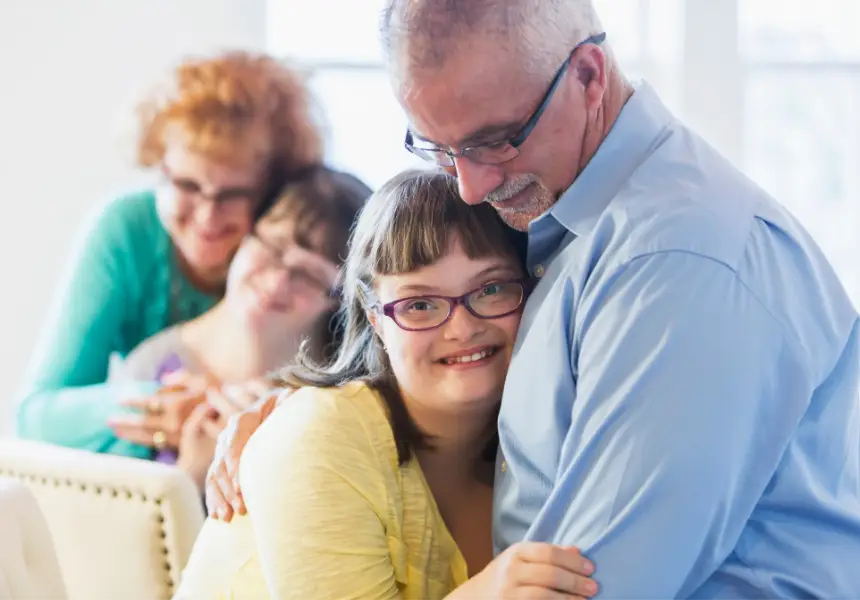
(476, 180)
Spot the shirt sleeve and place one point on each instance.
(688, 393)
(65, 399)
(315, 488)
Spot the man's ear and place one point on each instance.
(591, 72)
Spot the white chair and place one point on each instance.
(122, 528)
(28, 563)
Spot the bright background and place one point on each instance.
(774, 84)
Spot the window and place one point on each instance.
(773, 84)
(801, 124)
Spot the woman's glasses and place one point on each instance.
(490, 301)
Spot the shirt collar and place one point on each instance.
(633, 136)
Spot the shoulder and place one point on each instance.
(685, 198)
(123, 224)
(335, 428)
(126, 213)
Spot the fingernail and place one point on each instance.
(591, 587)
(221, 513)
(587, 566)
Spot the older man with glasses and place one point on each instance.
(683, 403)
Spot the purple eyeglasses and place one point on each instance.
(490, 301)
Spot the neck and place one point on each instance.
(618, 92)
(208, 281)
(252, 352)
(458, 440)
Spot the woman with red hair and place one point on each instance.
(225, 133)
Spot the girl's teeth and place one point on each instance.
(469, 358)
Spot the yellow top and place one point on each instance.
(330, 512)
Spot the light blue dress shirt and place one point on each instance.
(683, 399)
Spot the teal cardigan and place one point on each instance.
(123, 286)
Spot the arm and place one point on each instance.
(65, 400)
(315, 491)
(687, 395)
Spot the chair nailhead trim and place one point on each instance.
(115, 492)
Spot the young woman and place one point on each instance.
(273, 302)
(374, 480)
(225, 133)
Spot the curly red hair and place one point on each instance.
(234, 108)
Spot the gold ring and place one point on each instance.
(154, 406)
(159, 440)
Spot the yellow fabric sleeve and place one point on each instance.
(314, 483)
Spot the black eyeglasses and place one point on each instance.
(498, 152)
(490, 301)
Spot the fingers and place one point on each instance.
(222, 403)
(241, 396)
(229, 500)
(259, 387)
(212, 427)
(223, 496)
(168, 400)
(555, 578)
(199, 417)
(555, 568)
(136, 434)
(217, 504)
(135, 428)
(142, 404)
(184, 379)
(267, 403)
(568, 558)
(531, 592)
(234, 444)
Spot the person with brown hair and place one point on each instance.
(374, 481)
(226, 132)
(273, 303)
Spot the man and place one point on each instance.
(683, 402)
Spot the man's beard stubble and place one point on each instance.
(540, 201)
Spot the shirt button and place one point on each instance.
(504, 466)
(539, 271)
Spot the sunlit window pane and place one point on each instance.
(777, 30)
(805, 149)
(325, 30)
(365, 124)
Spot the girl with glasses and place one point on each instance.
(374, 479)
(280, 292)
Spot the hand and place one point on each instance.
(197, 443)
(532, 570)
(223, 496)
(229, 400)
(163, 414)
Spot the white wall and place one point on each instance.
(67, 68)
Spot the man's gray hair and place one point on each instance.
(542, 31)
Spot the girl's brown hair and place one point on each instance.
(406, 225)
(327, 199)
